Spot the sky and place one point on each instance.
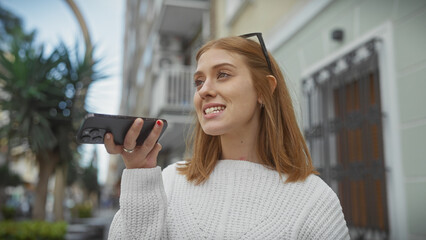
(55, 22)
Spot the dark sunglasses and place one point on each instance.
(262, 45)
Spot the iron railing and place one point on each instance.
(173, 91)
(343, 129)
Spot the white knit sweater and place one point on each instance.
(240, 200)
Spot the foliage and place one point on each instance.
(10, 26)
(8, 212)
(32, 230)
(83, 210)
(42, 94)
(8, 178)
(25, 83)
(38, 96)
(40, 90)
(72, 173)
(89, 179)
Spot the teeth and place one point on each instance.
(214, 110)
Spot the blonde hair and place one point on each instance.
(281, 145)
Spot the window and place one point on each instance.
(343, 129)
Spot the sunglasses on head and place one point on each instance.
(262, 45)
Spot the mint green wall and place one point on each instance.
(408, 17)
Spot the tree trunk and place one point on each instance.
(59, 191)
(2, 196)
(83, 25)
(47, 163)
(80, 95)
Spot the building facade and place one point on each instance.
(357, 73)
(160, 41)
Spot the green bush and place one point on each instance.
(83, 210)
(32, 230)
(8, 212)
(8, 178)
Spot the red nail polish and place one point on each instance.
(159, 123)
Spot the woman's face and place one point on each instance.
(225, 100)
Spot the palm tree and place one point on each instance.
(78, 104)
(78, 71)
(31, 94)
(81, 94)
(44, 97)
(10, 24)
(83, 26)
(39, 94)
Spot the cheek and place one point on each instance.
(197, 102)
(247, 102)
(247, 95)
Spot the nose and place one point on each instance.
(208, 89)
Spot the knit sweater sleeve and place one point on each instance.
(325, 219)
(143, 205)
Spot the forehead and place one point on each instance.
(214, 57)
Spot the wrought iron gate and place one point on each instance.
(343, 129)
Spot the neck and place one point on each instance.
(240, 146)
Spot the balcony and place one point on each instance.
(172, 92)
(172, 95)
(183, 18)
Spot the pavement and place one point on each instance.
(95, 228)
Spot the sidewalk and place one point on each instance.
(95, 228)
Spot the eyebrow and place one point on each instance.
(216, 67)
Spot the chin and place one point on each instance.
(212, 131)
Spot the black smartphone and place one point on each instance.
(95, 126)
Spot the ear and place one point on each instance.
(272, 82)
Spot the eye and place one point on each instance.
(198, 83)
(222, 75)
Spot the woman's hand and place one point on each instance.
(144, 156)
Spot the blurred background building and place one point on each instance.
(356, 70)
(160, 42)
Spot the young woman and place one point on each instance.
(250, 175)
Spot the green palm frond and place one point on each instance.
(44, 94)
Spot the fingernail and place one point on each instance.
(159, 123)
(108, 136)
